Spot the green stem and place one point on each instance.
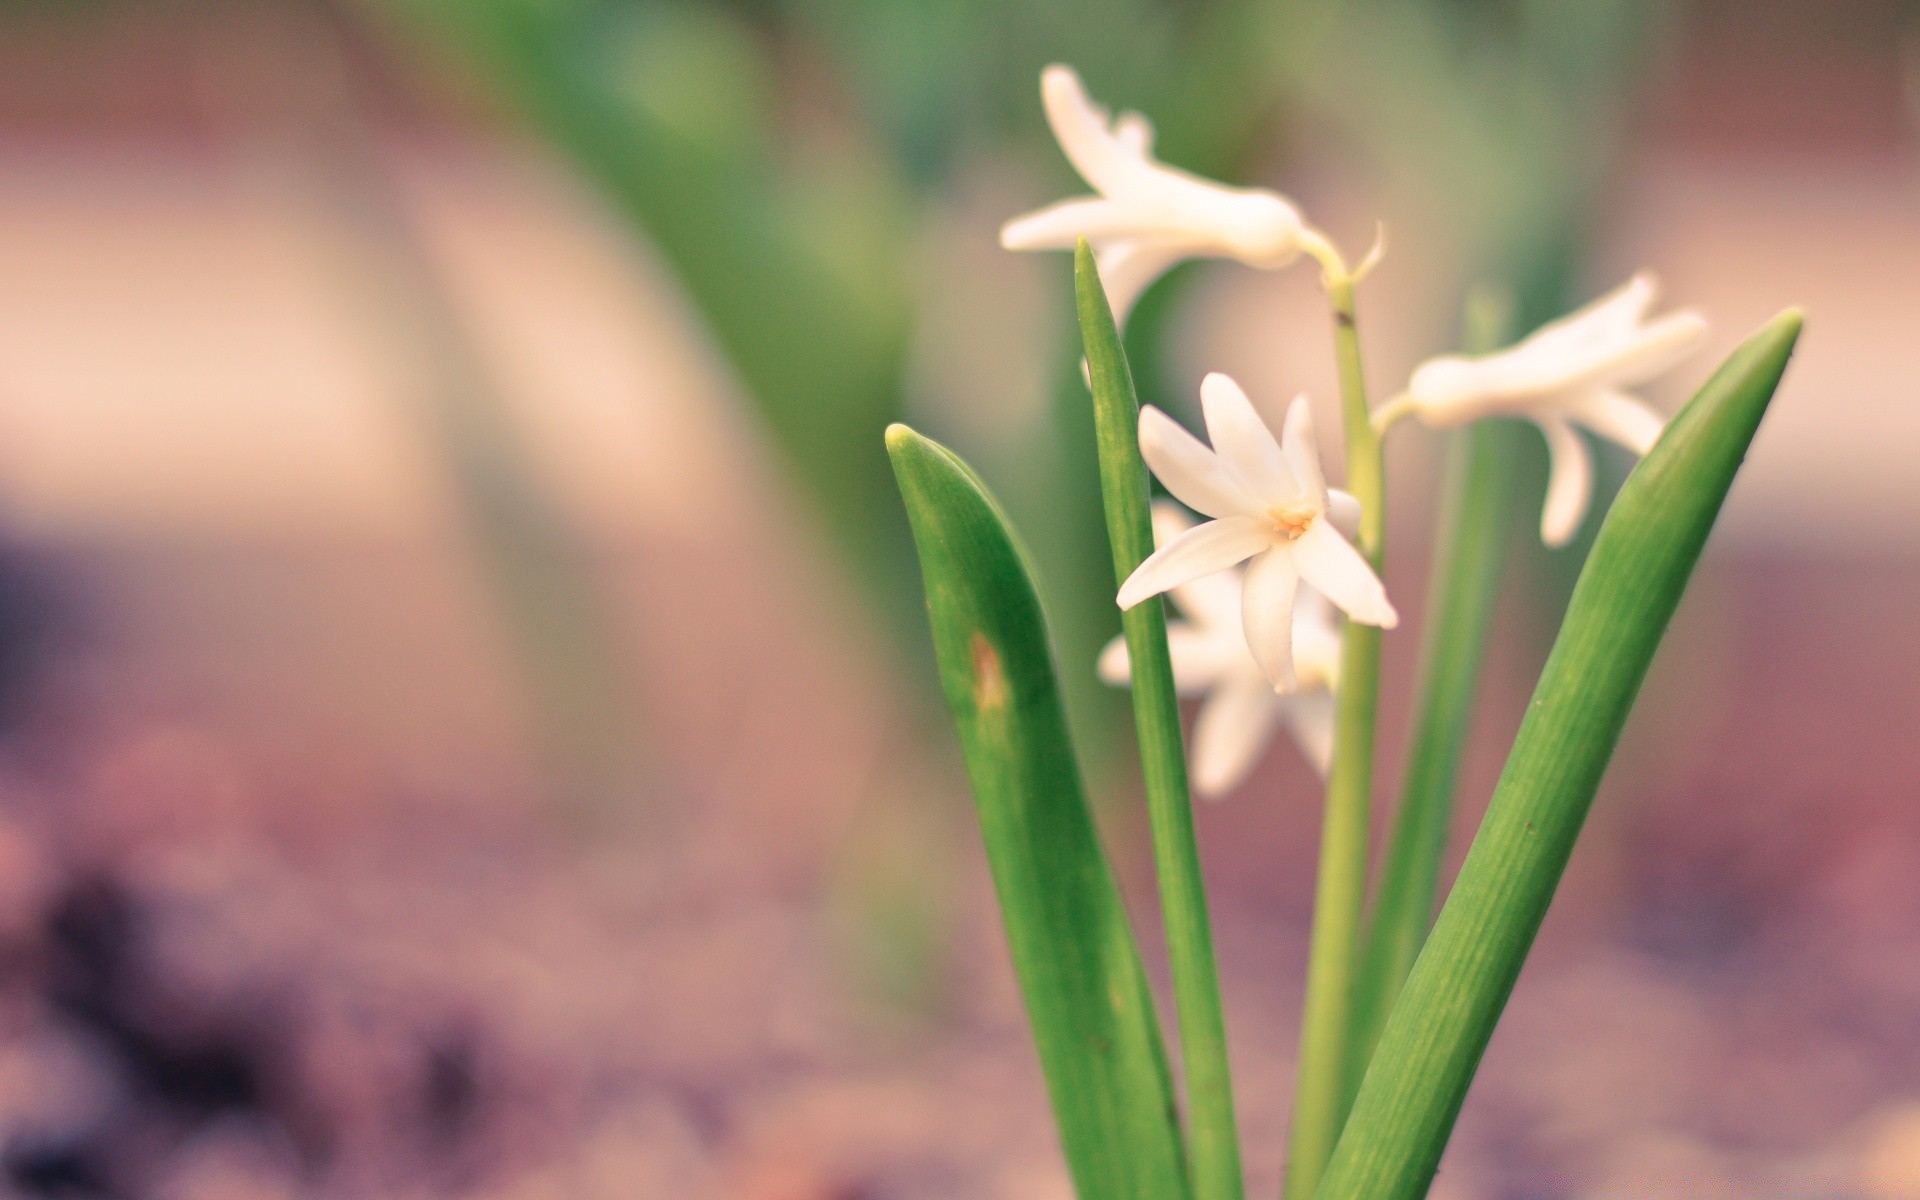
(1215, 1143)
(1468, 554)
(1320, 1095)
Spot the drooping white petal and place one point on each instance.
(1200, 660)
(1302, 449)
(1169, 519)
(1243, 441)
(1109, 161)
(1620, 418)
(1316, 640)
(1211, 601)
(1230, 732)
(1310, 716)
(1343, 509)
(1202, 550)
(1266, 614)
(1129, 268)
(1202, 657)
(1114, 666)
(1194, 474)
(1601, 344)
(1330, 563)
(1569, 482)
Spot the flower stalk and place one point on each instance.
(1213, 1136)
(1470, 549)
(1340, 894)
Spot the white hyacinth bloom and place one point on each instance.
(1566, 373)
(1270, 504)
(1147, 216)
(1240, 711)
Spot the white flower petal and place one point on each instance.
(1310, 716)
(1194, 474)
(1232, 729)
(1602, 345)
(1343, 509)
(1202, 550)
(1316, 640)
(1060, 224)
(1135, 132)
(1243, 441)
(1253, 225)
(1330, 563)
(1109, 161)
(1266, 614)
(1129, 268)
(1302, 449)
(1612, 315)
(1211, 601)
(1620, 418)
(1113, 666)
(1203, 657)
(1169, 519)
(1569, 482)
(1199, 660)
(1653, 349)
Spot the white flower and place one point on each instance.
(1566, 373)
(1270, 505)
(1211, 659)
(1148, 216)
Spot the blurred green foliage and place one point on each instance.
(786, 157)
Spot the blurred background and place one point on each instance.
(465, 722)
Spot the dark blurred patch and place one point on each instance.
(450, 1091)
(98, 976)
(40, 615)
(72, 1167)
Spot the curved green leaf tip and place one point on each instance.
(1632, 581)
(1079, 970)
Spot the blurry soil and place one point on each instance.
(240, 965)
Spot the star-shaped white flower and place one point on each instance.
(1270, 504)
(1211, 659)
(1147, 216)
(1566, 373)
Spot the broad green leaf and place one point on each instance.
(1079, 969)
(1163, 758)
(1632, 581)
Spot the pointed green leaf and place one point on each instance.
(1627, 591)
(1212, 1131)
(1079, 968)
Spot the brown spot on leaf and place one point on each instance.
(989, 680)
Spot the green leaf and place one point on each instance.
(1163, 757)
(1627, 591)
(1079, 968)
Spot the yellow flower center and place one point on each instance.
(1291, 520)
